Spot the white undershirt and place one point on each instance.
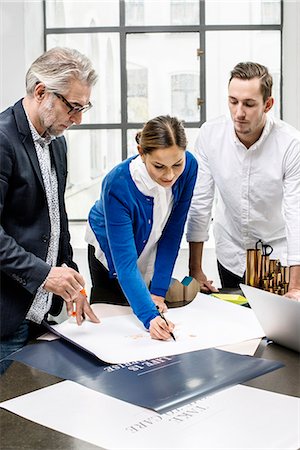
(162, 207)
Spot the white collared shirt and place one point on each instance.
(258, 192)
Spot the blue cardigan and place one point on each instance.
(122, 220)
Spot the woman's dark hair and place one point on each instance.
(161, 132)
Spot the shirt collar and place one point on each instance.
(37, 138)
(141, 172)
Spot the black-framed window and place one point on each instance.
(155, 57)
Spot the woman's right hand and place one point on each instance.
(159, 329)
(160, 303)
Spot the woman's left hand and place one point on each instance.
(160, 302)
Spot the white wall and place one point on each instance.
(291, 62)
(21, 41)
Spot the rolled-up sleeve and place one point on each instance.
(199, 217)
(291, 203)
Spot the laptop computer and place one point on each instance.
(278, 316)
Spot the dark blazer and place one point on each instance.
(25, 225)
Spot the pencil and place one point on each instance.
(163, 317)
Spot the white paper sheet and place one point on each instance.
(242, 348)
(206, 322)
(102, 310)
(48, 337)
(237, 418)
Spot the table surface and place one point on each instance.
(18, 433)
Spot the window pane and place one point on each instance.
(162, 76)
(131, 142)
(191, 134)
(161, 12)
(259, 12)
(66, 13)
(224, 49)
(103, 50)
(184, 89)
(91, 154)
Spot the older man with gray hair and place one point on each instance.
(37, 268)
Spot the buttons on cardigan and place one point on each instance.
(45, 238)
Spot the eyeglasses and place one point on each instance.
(73, 109)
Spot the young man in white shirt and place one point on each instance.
(253, 161)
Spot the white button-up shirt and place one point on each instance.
(258, 192)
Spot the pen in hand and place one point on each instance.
(163, 317)
(83, 292)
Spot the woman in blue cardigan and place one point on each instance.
(135, 228)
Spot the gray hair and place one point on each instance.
(57, 67)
